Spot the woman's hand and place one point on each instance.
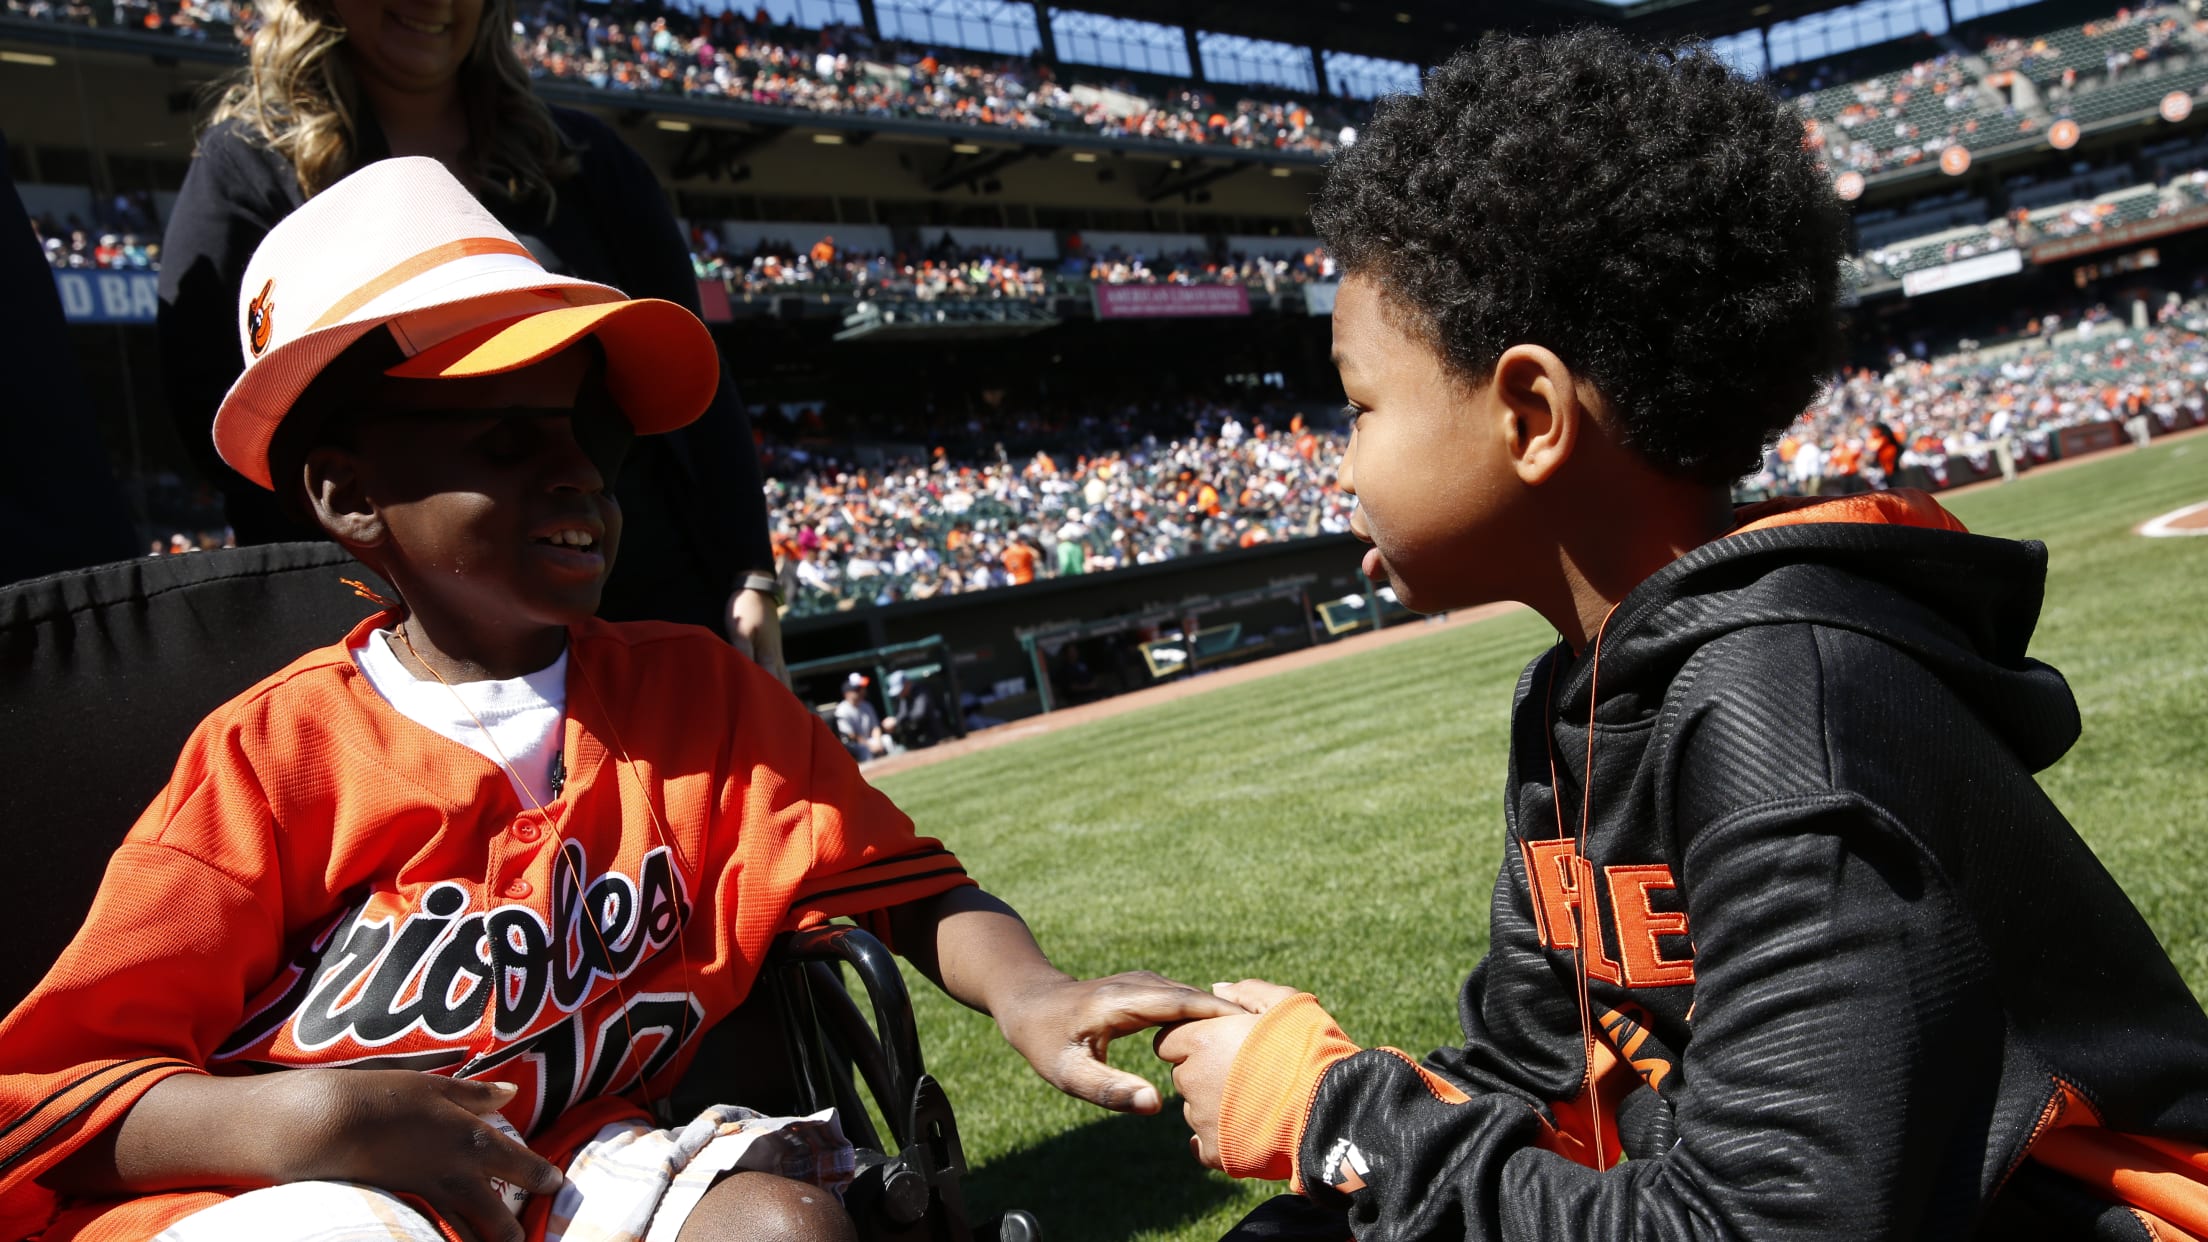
(755, 628)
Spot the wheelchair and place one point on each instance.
(105, 671)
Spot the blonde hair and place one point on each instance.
(298, 93)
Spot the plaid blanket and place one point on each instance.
(630, 1183)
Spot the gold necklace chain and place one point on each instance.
(581, 904)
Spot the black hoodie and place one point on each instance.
(1856, 962)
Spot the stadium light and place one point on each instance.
(1282, 172)
(675, 127)
(829, 140)
(966, 148)
(1084, 157)
(40, 59)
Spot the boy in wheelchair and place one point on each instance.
(480, 874)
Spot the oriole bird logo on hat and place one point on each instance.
(260, 319)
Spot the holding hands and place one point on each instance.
(1063, 1028)
(1202, 1052)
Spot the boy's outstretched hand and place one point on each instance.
(1063, 1028)
(976, 948)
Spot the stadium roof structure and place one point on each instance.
(1420, 31)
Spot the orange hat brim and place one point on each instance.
(661, 365)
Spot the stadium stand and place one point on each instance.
(2006, 88)
(914, 529)
(1951, 415)
(1976, 96)
(2025, 226)
(849, 536)
(949, 269)
(839, 69)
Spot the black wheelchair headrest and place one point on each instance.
(103, 674)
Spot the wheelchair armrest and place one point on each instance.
(919, 1180)
(896, 1079)
(917, 1190)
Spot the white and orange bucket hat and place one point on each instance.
(402, 245)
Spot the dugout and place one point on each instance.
(1081, 661)
(983, 630)
(915, 682)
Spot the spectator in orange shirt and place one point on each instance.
(824, 251)
(1847, 459)
(1020, 558)
(1885, 449)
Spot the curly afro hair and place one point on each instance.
(1644, 212)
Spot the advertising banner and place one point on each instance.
(1966, 272)
(713, 300)
(2087, 438)
(89, 295)
(1170, 301)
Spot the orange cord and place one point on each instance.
(1589, 923)
(366, 592)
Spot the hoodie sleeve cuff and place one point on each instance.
(1271, 1085)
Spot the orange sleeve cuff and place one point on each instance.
(1270, 1087)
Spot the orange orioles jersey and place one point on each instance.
(325, 882)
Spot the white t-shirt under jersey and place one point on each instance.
(523, 715)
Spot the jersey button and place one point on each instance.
(526, 831)
(517, 888)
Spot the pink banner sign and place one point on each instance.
(1170, 301)
(713, 300)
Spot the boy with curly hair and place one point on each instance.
(1775, 948)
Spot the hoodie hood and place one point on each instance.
(1894, 566)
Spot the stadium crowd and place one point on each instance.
(228, 20)
(950, 270)
(842, 69)
(1993, 407)
(2022, 227)
(656, 47)
(123, 235)
(1870, 123)
(914, 529)
(1865, 122)
(848, 536)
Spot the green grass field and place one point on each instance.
(1338, 828)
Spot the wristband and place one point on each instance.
(765, 584)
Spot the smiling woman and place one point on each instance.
(334, 85)
(416, 52)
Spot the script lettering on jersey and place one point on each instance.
(376, 976)
(1561, 881)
